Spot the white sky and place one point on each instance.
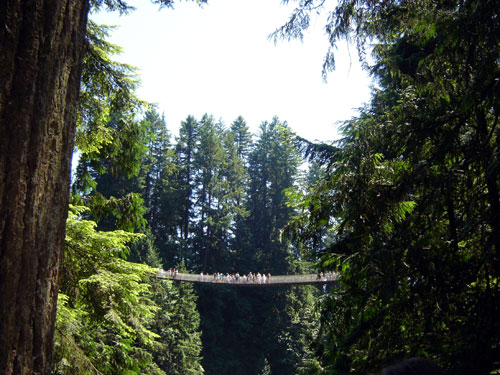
(218, 60)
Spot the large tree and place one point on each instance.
(186, 147)
(411, 192)
(40, 65)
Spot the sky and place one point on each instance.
(218, 59)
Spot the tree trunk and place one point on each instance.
(40, 64)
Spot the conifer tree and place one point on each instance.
(177, 319)
(211, 185)
(273, 167)
(129, 157)
(177, 324)
(105, 307)
(160, 173)
(110, 137)
(411, 193)
(247, 330)
(242, 138)
(185, 149)
(155, 160)
(237, 143)
(40, 65)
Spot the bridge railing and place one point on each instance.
(276, 280)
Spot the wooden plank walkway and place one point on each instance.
(274, 280)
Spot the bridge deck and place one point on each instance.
(274, 280)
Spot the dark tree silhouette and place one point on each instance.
(40, 64)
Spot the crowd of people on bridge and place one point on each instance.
(236, 278)
(231, 278)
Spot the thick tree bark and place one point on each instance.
(40, 64)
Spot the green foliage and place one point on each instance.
(210, 190)
(106, 87)
(410, 193)
(202, 199)
(273, 166)
(105, 306)
(127, 210)
(110, 139)
(185, 150)
(247, 330)
(111, 314)
(219, 191)
(177, 324)
(177, 320)
(209, 195)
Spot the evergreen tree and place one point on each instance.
(242, 137)
(110, 137)
(154, 162)
(113, 317)
(160, 173)
(105, 305)
(219, 194)
(177, 320)
(177, 324)
(212, 219)
(273, 167)
(251, 330)
(185, 149)
(238, 143)
(127, 160)
(411, 192)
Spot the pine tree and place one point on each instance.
(177, 320)
(273, 167)
(154, 160)
(185, 149)
(177, 324)
(161, 190)
(110, 138)
(237, 142)
(211, 188)
(242, 137)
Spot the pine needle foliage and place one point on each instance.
(105, 306)
(409, 196)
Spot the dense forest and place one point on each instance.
(211, 200)
(405, 207)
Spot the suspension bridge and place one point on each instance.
(320, 278)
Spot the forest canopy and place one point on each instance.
(405, 207)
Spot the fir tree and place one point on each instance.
(185, 149)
